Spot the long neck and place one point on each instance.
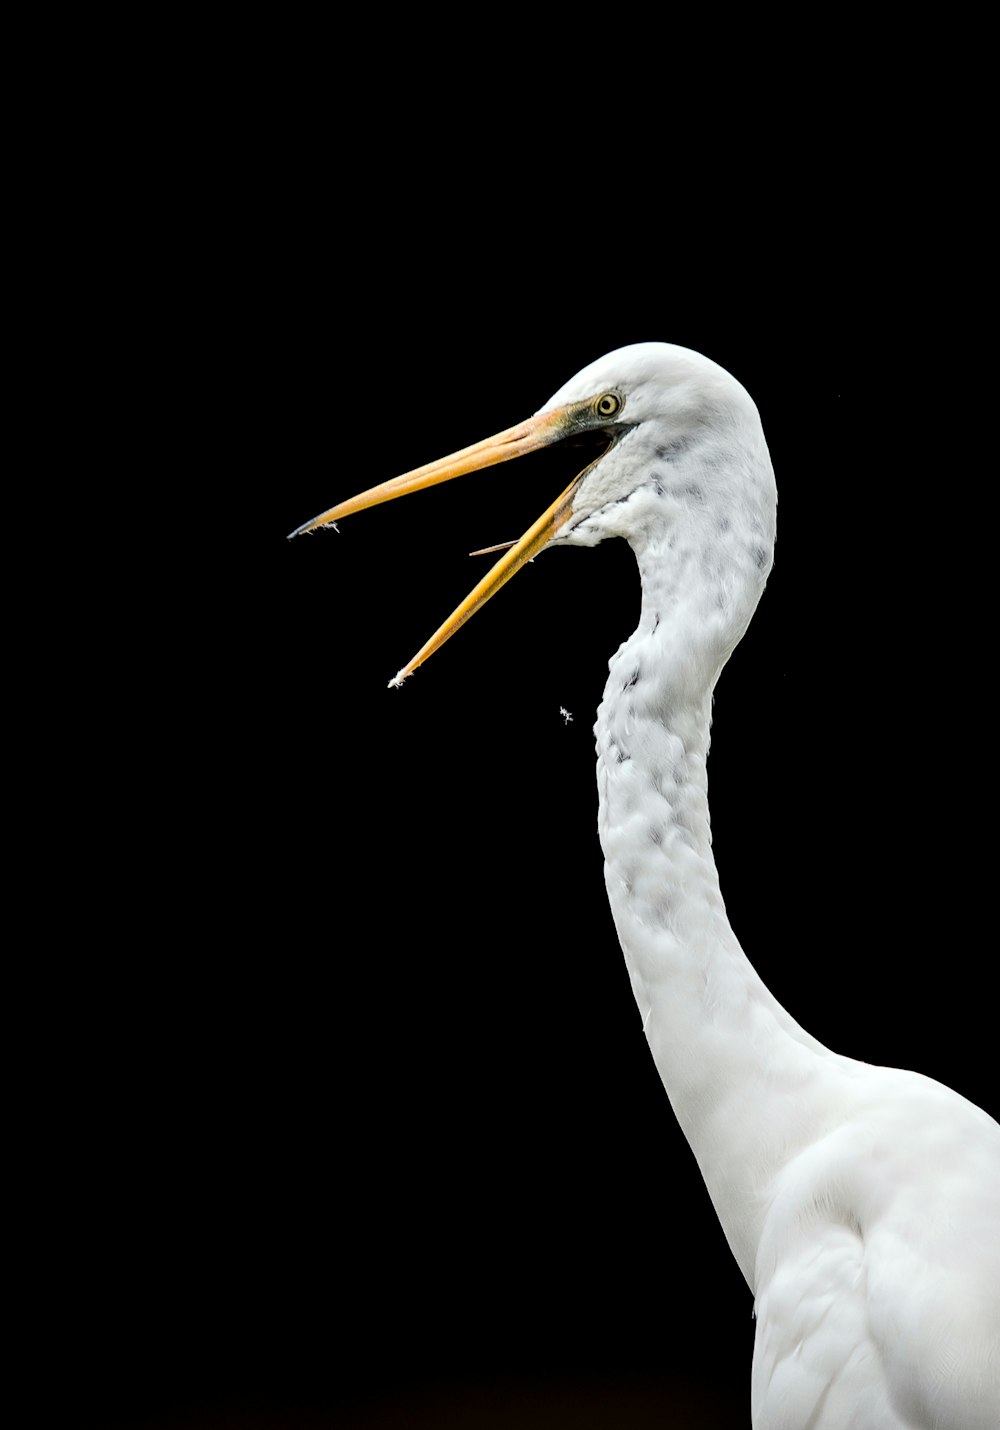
(739, 1071)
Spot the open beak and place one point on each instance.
(528, 436)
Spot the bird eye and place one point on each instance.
(609, 404)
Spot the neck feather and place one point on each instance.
(738, 1069)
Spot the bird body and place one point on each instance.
(862, 1203)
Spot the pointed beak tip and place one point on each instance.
(308, 527)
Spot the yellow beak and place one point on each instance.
(515, 442)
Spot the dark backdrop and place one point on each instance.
(372, 1134)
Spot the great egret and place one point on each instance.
(862, 1203)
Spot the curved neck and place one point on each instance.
(727, 1052)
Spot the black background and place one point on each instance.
(370, 1134)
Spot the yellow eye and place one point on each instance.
(609, 404)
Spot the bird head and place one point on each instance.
(685, 447)
(680, 452)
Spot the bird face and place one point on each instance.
(652, 404)
(680, 427)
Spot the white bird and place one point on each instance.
(862, 1203)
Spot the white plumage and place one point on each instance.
(862, 1203)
